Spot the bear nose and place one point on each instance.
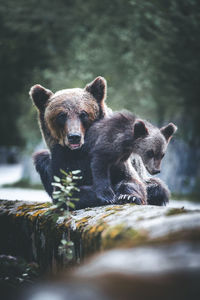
(156, 171)
(74, 138)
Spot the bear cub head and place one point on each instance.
(69, 113)
(151, 143)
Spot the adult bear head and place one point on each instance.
(68, 113)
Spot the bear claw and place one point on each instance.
(128, 198)
(125, 198)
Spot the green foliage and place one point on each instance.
(147, 50)
(15, 272)
(64, 189)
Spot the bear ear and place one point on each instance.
(98, 89)
(168, 131)
(40, 95)
(140, 129)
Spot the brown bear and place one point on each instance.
(65, 118)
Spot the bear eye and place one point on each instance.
(150, 154)
(61, 119)
(83, 115)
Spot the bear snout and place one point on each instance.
(74, 141)
(74, 138)
(155, 171)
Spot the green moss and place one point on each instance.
(93, 230)
(122, 236)
(82, 222)
(108, 214)
(114, 208)
(31, 211)
(176, 211)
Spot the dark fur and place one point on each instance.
(42, 162)
(68, 160)
(122, 182)
(70, 102)
(157, 192)
(111, 142)
(122, 178)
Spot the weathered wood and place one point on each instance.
(26, 231)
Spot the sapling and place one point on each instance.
(64, 189)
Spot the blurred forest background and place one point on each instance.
(149, 52)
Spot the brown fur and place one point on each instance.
(155, 142)
(60, 117)
(72, 102)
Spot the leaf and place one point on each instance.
(56, 192)
(72, 205)
(56, 184)
(62, 188)
(69, 180)
(75, 199)
(64, 242)
(76, 172)
(69, 188)
(63, 172)
(57, 179)
(61, 200)
(70, 243)
(76, 177)
(56, 196)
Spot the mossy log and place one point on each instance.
(26, 231)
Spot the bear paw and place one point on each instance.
(122, 199)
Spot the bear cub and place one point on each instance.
(110, 143)
(65, 118)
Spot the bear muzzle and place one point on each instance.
(74, 141)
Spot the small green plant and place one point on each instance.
(64, 189)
